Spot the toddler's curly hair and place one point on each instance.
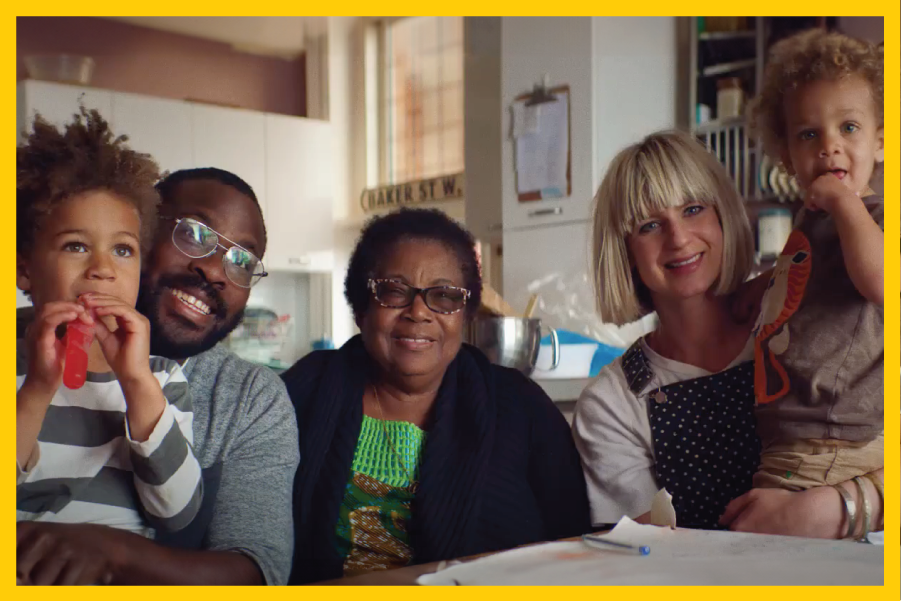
(812, 55)
(53, 165)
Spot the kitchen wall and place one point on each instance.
(866, 28)
(146, 61)
(635, 77)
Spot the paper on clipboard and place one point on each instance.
(525, 119)
(542, 146)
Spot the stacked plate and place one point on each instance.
(774, 180)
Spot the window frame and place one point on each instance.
(378, 124)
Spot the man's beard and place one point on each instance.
(175, 345)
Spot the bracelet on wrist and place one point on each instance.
(865, 502)
(880, 491)
(850, 509)
(878, 484)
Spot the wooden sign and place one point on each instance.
(446, 187)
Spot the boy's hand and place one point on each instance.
(127, 347)
(46, 352)
(826, 192)
(812, 513)
(127, 350)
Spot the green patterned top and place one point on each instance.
(372, 519)
(374, 455)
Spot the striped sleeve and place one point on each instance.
(22, 472)
(167, 475)
(21, 368)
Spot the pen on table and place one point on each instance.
(594, 540)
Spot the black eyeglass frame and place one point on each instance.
(372, 284)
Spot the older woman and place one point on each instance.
(414, 447)
(677, 410)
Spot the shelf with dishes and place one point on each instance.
(727, 57)
(756, 175)
(774, 182)
(722, 68)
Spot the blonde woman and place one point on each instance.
(676, 411)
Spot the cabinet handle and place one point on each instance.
(495, 227)
(298, 260)
(545, 212)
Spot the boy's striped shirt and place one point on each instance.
(86, 469)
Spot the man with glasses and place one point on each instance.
(194, 289)
(198, 278)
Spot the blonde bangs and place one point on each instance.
(660, 173)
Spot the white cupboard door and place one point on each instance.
(300, 187)
(156, 126)
(525, 48)
(58, 103)
(233, 140)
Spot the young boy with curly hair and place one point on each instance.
(118, 450)
(819, 335)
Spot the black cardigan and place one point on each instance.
(499, 466)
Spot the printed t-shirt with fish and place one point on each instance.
(818, 349)
(372, 531)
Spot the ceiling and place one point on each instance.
(271, 36)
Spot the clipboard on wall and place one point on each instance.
(543, 143)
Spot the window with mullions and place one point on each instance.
(421, 98)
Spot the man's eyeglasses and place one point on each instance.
(395, 294)
(198, 240)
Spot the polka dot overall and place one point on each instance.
(706, 446)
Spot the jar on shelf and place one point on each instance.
(773, 228)
(702, 114)
(730, 98)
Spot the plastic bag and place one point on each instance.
(566, 302)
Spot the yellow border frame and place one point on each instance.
(890, 11)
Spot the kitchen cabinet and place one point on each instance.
(234, 140)
(160, 127)
(157, 126)
(286, 160)
(57, 103)
(299, 189)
